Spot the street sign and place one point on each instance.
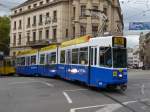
(139, 26)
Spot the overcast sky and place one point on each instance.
(133, 11)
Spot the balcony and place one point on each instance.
(34, 24)
(40, 23)
(28, 26)
(41, 43)
(54, 20)
(19, 27)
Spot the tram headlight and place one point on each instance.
(120, 75)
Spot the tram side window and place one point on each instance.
(27, 60)
(33, 60)
(22, 62)
(75, 56)
(52, 58)
(83, 56)
(105, 57)
(18, 61)
(62, 57)
(42, 58)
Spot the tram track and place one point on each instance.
(118, 102)
(124, 105)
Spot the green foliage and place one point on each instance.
(4, 34)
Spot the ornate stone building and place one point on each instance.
(41, 21)
(145, 48)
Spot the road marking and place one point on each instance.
(142, 89)
(48, 84)
(81, 108)
(106, 107)
(23, 82)
(26, 82)
(67, 97)
(73, 90)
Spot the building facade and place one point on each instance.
(144, 43)
(42, 21)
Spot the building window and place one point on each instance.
(66, 33)
(74, 33)
(20, 9)
(34, 20)
(15, 11)
(28, 22)
(14, 40)
(34, 5)
(34, 36)
(41, 3)
(29, 7)
(105, 11)
(40, 19)
(40, 35)
(95, 30)
(14, 25)
(95, 7)
(55, 16)
(83, 10)
(28, 37)
(74, 12)
(54, 34)
(20, 24)
(47, 1)
(47, 34)
(19, 40)
(82, 30)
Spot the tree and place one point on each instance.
(4, 34)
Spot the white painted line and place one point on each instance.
(146, 99)
(106, 107)
(67, 97)
(142, 89)
(48, 84)
(110, 108)
(81, 108)
(128, 102)
(73, 90)
(25, 82)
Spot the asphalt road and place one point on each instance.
(31, 94)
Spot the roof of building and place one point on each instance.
(25, 3)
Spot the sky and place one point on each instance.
(133, 11)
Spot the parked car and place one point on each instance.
(146, 67)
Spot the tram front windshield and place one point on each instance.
(119, 58)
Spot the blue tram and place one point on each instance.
(99, 62)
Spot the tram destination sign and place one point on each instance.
(119, 42)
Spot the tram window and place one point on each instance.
(18, 61)
(27, 60)
(42, 58)
(22, 61)
(33, 60)
(53, 58)
(75, 56)
(83, 56)
(119, 58)
(105, 57)
(62, 57)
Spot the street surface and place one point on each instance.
(31, 94)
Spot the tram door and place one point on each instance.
(93, 62)
(68, 62)
(93, 56)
